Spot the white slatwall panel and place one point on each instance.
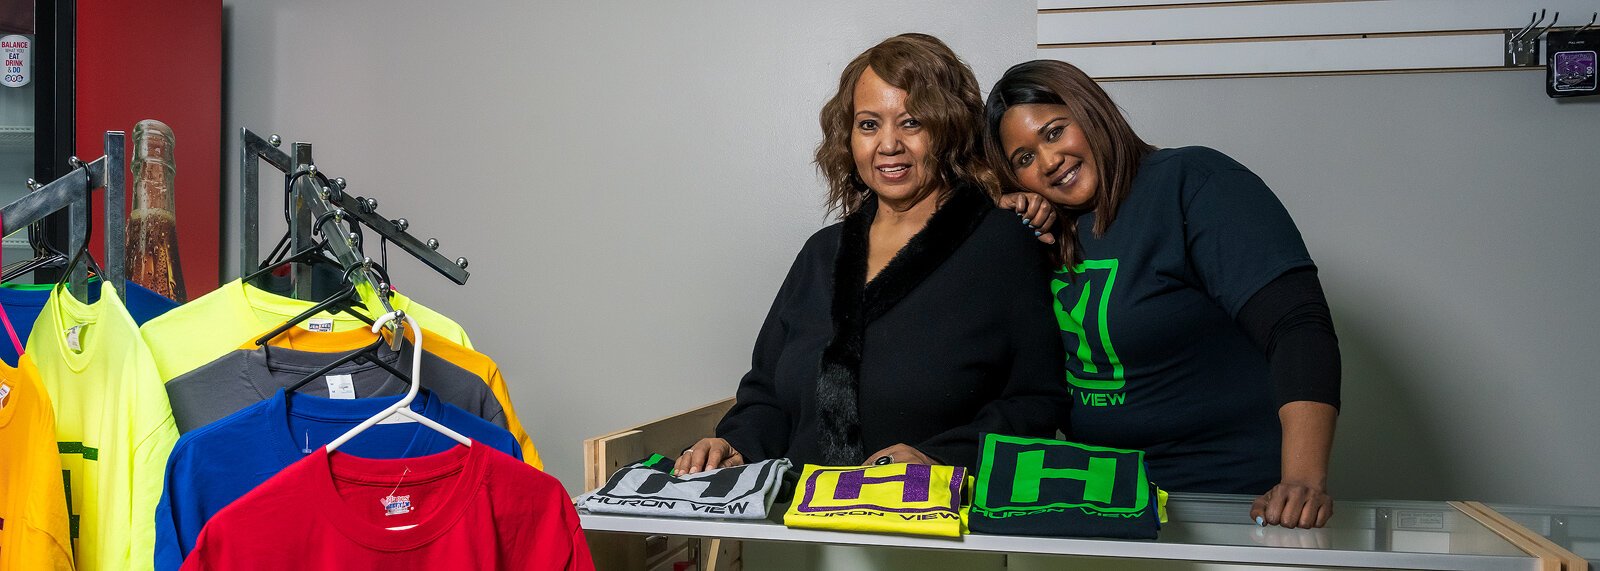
(1163, 38)
(1281, 57)
(1104, 4)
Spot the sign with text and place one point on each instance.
(15, 52)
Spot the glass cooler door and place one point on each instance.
(16, 130)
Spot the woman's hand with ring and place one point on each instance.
(899, 453)
(707, 454)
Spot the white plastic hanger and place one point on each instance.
(403, 407)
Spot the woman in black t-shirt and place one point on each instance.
(1194, 324)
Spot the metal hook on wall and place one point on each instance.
(1534, 21)
(1522, 45)
(1586, 27)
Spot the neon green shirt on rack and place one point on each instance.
(217, 323)
(114, 427)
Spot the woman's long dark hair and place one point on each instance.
(1117, 148)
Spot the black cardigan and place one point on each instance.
(959, 339)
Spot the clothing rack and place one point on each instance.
(314, 203)
(71, 192)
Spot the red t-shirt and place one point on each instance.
(465, 508)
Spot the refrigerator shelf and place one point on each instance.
(16, 138)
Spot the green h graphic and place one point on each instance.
(1099, 479)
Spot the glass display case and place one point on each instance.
(1204, 531)
(1202, 528)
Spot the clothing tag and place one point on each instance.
(320, 325)
(341, 387)
(72, 338)
(307, 448)
(396, 505)
(5, 391)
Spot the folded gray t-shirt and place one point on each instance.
(739, 492)
(244, 377)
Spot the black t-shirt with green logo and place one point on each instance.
(1155, 361)
(1037, 486)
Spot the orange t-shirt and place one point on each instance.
(33, 502)
(477, 363)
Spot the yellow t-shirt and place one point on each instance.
(204, 329)
(914, 499)
(433, 343)
(114, 427)
(33, 505)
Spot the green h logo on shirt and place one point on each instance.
(1026, 476)
(1099, 479)
(1082, 299)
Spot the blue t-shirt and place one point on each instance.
(22, 304)
(214, 465)
(1155, 360)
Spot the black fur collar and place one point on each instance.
(855, 304)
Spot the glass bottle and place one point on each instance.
(152, 225)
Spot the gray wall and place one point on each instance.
(631, 180)
(1452, 217)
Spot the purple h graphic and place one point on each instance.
(914, 483)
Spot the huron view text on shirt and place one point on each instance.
(1155, 360)
(738, 492)
(914, 499)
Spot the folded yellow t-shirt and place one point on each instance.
(914, 499)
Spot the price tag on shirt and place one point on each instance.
(341, 387)
(73, 334)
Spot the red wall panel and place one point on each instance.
(160, 60)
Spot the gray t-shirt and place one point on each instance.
(739, 492)
(244, 377)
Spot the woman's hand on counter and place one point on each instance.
(1293, 505)
(899, 453)
(707, 454)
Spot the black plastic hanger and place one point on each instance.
(83, 245)
(282, 248)
(344, 300)
(368, 353)
(45, 254)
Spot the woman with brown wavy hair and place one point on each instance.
(921, 319)
(1195, 326)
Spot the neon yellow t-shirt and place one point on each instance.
(204, 329)
(114, 427)
(33, 505)
(914, 499)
